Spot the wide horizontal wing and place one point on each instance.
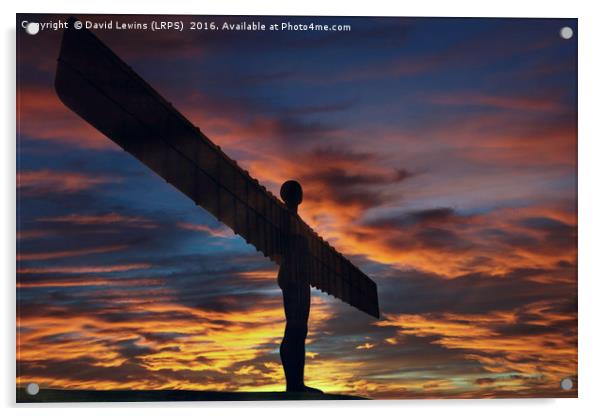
(97, 85)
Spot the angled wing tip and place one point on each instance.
(59, 81)
(375, 313)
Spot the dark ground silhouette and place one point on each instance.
(61, 396)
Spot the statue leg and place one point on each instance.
(297, 298)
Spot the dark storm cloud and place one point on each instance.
(416, 292)
(336, 178)
(548, 225)
(130, 350)
(342, 179)
(433, 228)
(418, 217)
(344, 187)
(442, 239)
(558, 236)
(162, 336)
(87, 368)
(326, 154)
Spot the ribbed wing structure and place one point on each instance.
(97, 85)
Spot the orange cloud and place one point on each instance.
(41, 116)
(269, 274)
(540, 358)
(365, 346)
(84, 269)
(101, 219)
(219, 342)
(32, 234)
(86, 281)
(343, 187)
(68, 253)
(222, 231)
(48, 181)
(525, 102)
(458, 244)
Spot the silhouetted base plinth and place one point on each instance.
(61, 396)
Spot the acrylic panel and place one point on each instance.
(314, 208)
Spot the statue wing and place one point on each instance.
(96, 84)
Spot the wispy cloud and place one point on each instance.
(84, 269)
(68, 253)
(111, 218)
(51, 181)
(221, 231)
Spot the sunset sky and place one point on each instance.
(439, 155)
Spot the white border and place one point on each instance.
(590, 205)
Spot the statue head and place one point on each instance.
(292, 194)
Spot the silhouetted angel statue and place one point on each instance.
(293, 279)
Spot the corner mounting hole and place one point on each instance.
(566, 384)
(32, 28)
(32, 389)
(566, 32)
